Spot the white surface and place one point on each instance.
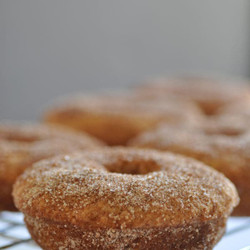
(233, 240)
(237, 234)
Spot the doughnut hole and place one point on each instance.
(225, 132)
(133, 167)
(20, 138)
(232, 126)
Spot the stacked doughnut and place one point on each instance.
(23, 144)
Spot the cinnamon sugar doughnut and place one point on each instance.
(117, 119)
(230, 125)
(23, 144)
(239, 109)
(237, 116)
(210, 94)
(121, 198)
(229, 154)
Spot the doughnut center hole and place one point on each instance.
(134, 167)
(15, 138)
(231, 133)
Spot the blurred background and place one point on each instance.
(49, 48)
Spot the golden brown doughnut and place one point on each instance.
(237, 116)
(115, 120)
(229, 125)
(210, 94)
(238, 109)
(121, 198)
(215, 146)
(23, 144)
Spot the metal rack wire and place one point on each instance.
(14, 235)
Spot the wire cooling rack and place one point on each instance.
(14, 235)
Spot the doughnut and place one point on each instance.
(115, 120)
(124, 198)
(239, 109)
(237, 116)
(210, 94)
(230, 125)
(216, 147)
(23, 144)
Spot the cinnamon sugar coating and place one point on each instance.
(226, 124)
(23, 144)
(239, 109)
(223, 147)
(210, 94)
(124, 198)
(115, 119)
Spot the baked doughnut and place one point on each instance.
(115, 120)
(230, 125)
(229, 154)
(239, 109)
(210, 94)
(23, 144)
(124, 198)
(237, 116)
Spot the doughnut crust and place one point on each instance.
(239, 109)
(23, 144)
(226, 124)
(227, 154)
(115, 120)
(124, 198)
(210, 94)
